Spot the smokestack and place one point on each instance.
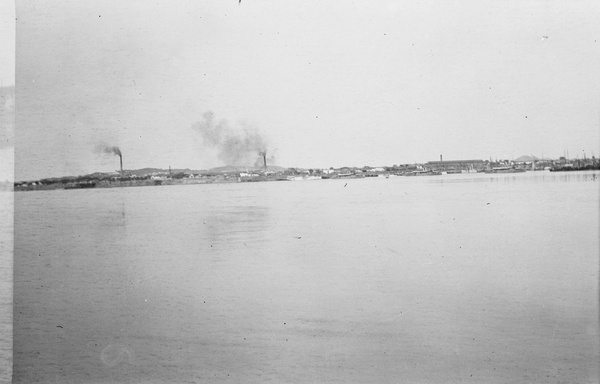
(441, 158)
(233, 146)
(103, 148)
(265, 159)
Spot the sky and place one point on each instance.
(7, 43)
(7, 82)
(335, 83)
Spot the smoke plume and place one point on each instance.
(233, 146)
(103, 148)
(112, 150)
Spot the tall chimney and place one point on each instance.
(265, 160)
(121, 160)
(441, 158)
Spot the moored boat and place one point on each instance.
(423, 173)
(302, 178)
(504, 170)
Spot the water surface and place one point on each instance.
(437, 279)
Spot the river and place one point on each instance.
(435, 279)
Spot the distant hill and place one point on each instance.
(148, 171)
(525, 159)
(242, 168)
(140, 172)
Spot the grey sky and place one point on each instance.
(7, 81)
(7, 43)
(328, 83)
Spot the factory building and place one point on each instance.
(456, 166)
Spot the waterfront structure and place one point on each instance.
(456, 166)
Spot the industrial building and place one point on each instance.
(456, 166)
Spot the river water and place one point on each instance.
(435, 279)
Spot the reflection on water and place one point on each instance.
(236, 224)
(6, 284)
(525, 177)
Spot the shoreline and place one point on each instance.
(224, 179)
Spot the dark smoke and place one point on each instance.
(113, 150)
(103, 148)
(234, 147)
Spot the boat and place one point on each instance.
(571, 167)
(302, 178)
(504, 170)
(81, 186)
(423, 173)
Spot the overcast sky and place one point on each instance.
(327, 83)
(7, 42)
